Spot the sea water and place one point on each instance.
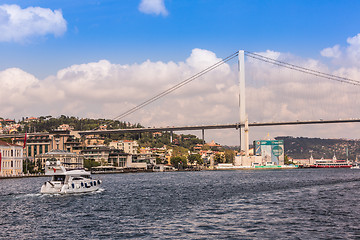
(261, 204)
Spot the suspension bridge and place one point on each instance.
(243, 124)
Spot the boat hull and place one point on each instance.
(52, 187)
(329, 166)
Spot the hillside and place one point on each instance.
(302, 147)
(49, 123)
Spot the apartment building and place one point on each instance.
(130, 147)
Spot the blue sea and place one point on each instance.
(261, 204)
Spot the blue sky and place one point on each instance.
(118, 31)
(95, 59)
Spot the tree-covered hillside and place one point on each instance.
(301, 147)
(49, 123)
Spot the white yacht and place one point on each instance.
(68, 181)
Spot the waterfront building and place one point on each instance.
(67, 159)
(118, 158)
(127, 146)
(305, 162)
(271, 151)
(99, 153)
(207, 156)
(39, 143)
(11, 159)
(250, 161)
(107, 156)
(265, 153)
(140, 161)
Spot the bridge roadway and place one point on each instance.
(199, 127)
(221, 126)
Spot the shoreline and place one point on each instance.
(23, 176)
(150, 171)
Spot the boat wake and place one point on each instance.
(28, 195)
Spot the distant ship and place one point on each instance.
(357, 166)
(331, 163)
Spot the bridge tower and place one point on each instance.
(243, 126)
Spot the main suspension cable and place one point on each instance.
(175, 87)
(302, 69)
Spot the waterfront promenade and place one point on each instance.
(25, 175)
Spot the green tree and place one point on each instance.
(206, 147)
(178, 162)
(229, 156)
(107, 141)
(287, 161)
(158, 160)
(218, 158)
(90, 163)
(28, 166)
(200, 161)
(180, 151)
(194, 158)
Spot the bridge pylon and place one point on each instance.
(244, 131)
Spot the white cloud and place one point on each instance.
(18, 25)
(349, 57)
(104, 90)
(353, 50)
(156, 7)
(333, 52)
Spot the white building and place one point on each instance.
(11, 159)
(130, 147)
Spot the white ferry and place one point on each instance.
(331, 163)
(68, 181)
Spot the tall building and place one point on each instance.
(271, 151)
(11, 159)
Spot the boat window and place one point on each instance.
(85, 176)
(59, 178)
(77, 178)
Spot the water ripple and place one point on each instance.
(295, 204)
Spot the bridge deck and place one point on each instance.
(199, 127)
(220, 126)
